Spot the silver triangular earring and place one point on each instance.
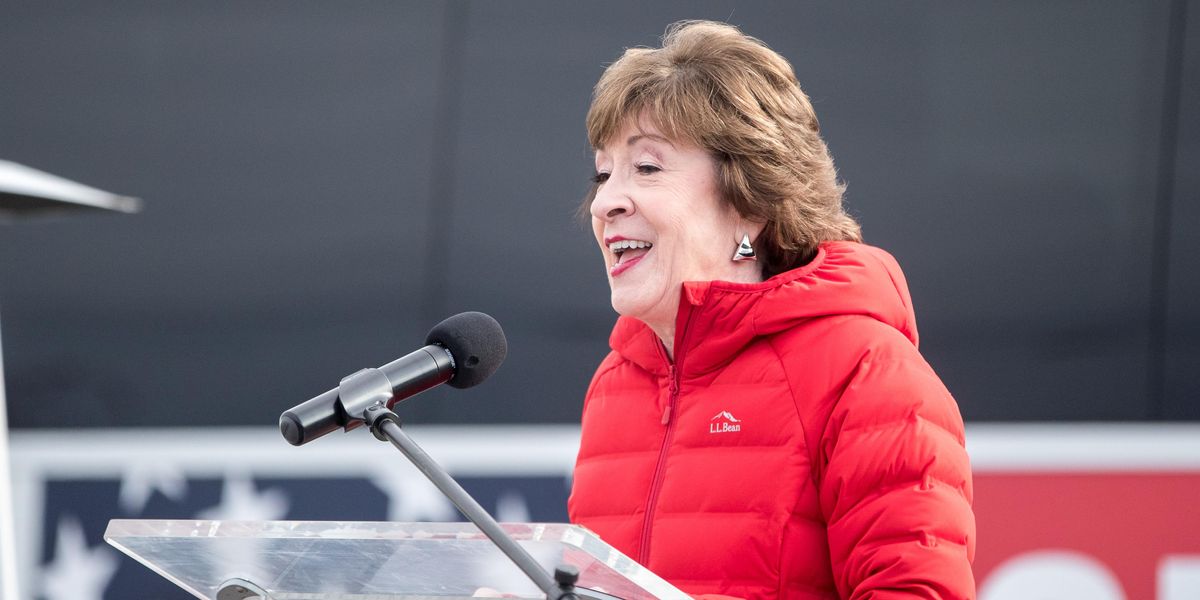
(745, 252)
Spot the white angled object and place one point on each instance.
(25, 190)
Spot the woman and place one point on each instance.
(764, 426)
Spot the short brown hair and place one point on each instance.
(727, 92)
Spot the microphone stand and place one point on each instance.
(385, 425)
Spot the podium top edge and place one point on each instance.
(383, 530)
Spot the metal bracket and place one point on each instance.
(237, 588)
(362, 390)
(376, 416)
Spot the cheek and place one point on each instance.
(709, 243)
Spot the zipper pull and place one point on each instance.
(666, 415)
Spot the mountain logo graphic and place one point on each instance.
(724, 422)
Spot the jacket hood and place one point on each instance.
(717, 319)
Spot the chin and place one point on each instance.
(635, 304)
(624, 307)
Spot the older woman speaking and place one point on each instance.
(764, 426)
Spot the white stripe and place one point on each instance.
(518, 450)
(464, 450)
(1084, 447)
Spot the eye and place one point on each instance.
(599, 178)
(648, 169)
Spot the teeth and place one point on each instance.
(628, 244)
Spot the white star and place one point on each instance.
(411, 497)
(512, 508)
(141, 479)
(240, 501)
(77, 571)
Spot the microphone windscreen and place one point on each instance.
(477, 343)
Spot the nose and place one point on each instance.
(611, 201)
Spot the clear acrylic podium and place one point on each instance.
(336, 560)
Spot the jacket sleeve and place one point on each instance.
(895, 484)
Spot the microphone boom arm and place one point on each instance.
(385, 425)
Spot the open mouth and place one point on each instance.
(627, 252)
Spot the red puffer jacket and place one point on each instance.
(798, 447)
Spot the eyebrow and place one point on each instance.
(633, 139)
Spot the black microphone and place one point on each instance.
(463, 351)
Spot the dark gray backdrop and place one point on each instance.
(324, 181)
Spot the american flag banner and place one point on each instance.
(1081, 511)
(68, 484)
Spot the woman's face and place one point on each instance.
(659, 221)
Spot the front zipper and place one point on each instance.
(669, 423)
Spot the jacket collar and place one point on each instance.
(717, 319)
